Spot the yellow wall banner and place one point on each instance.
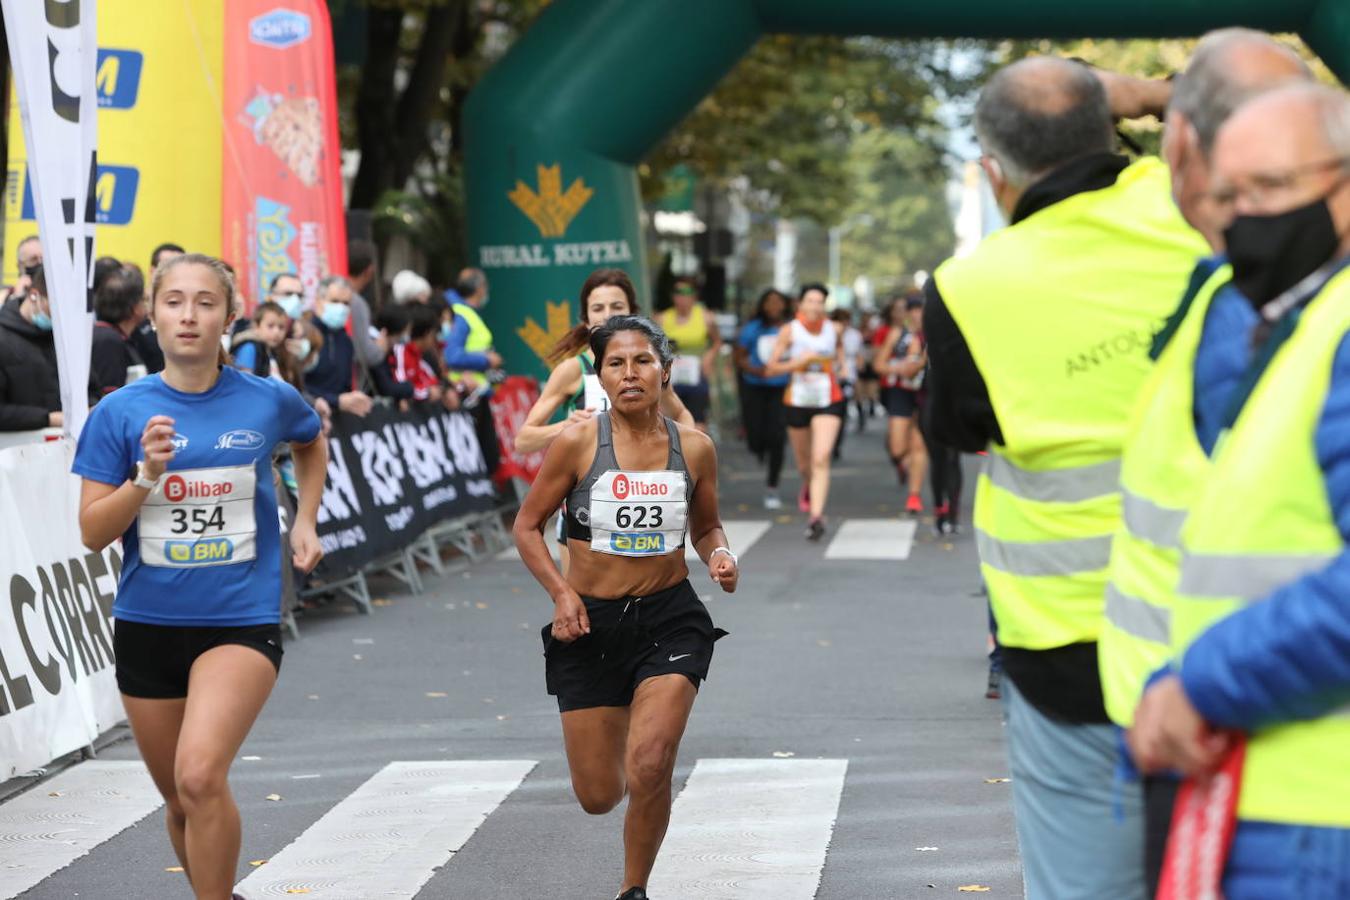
(160, 72)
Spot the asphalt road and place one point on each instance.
(879, 663)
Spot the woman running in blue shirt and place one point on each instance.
(179, 466)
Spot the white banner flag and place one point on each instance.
(53, 49)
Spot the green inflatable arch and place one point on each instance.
(554, 131)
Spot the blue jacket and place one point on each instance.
(1287, 657)
(332, 375)
(456, 357)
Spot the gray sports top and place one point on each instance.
(631, 513)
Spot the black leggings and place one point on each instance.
(944, 472)
(765, 425)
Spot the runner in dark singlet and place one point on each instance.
(630, 641)
(573, 385)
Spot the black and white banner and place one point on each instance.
(58, 689)
(53, 49)
(392, 475)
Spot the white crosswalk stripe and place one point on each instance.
(388, 837)
(60, 820)
(878, 539)
(741, 535)
(753, 829)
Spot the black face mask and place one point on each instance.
(1271, 254)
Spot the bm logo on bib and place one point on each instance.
(637, 543)
(204, 550)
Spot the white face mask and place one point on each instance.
(301, 349)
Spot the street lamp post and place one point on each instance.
(836, 234)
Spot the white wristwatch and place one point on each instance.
(140, 481)
(716, 550)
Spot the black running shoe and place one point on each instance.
(634, 893)
(816, 530)
(994, 690)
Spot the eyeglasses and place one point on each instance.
(1258, 189)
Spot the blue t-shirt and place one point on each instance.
(759, 338)
(205, 548)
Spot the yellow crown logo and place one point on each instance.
(551, 210)
(542, 341)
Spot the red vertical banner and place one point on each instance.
(281, 165)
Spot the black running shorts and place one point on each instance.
(801, 416)
(632, 639)
(899, 402)
(153, 661)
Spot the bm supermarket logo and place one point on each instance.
(280, 29)
(551, 208)
(118, 80)
(115, 190)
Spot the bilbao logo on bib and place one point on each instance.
(240, 439)
(177, 489)
(624, 487)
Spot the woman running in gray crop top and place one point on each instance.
(630, 641)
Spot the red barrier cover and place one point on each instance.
(281, 179)
(511, 402)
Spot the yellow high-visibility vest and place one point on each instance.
(1162, 471)
(1250, 533)
(1059, 312)
(478, 341)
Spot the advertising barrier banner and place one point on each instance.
(282, 177)
(58, 689)
(511, 403)
(392, 475)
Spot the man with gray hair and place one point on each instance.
(1165, 461)
(1260, 674)
(334, 376)
(1038, 344)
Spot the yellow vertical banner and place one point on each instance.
(160, 72)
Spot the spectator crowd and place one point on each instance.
(342, 348)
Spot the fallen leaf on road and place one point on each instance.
(381, 601)
(997, 780)
(742, 507)
(437, 694)
(173, 868)
(784, 520)
(783, 754)
(502, 718)
(297, 890)
(257, 862)
(480, 605)
(357, 656)
(948, 547)
(973, 889)
(312, 697)
(925, 849)
(515, 590)
(57, 794)
(273, 797)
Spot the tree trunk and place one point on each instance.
(425, 81)
(374, 107)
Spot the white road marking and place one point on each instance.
(741, 535)
(873, 539)
(58, 821)
(753, 829)
(389, 836)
